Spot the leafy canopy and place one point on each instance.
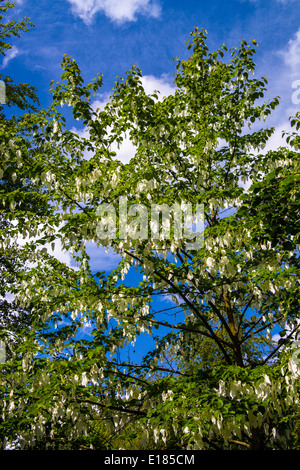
(215, 378)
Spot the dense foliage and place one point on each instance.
(214, 378)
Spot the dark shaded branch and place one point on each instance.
(144, 366)
(110, 407)
(280, 345)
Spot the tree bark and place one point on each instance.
(233, 332)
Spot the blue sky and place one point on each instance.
(109, 36)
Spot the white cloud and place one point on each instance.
(291, 56)
(162, 84)
(9, 55)
(277, 140)
(290, 74)
(125, 151)
(117, 10)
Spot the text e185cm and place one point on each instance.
(165, 459)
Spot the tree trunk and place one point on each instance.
(257, 440)
(233, 332)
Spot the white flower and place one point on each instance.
(267, 380)
(55, 126)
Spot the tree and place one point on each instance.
(192, 151)
(20, 97)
